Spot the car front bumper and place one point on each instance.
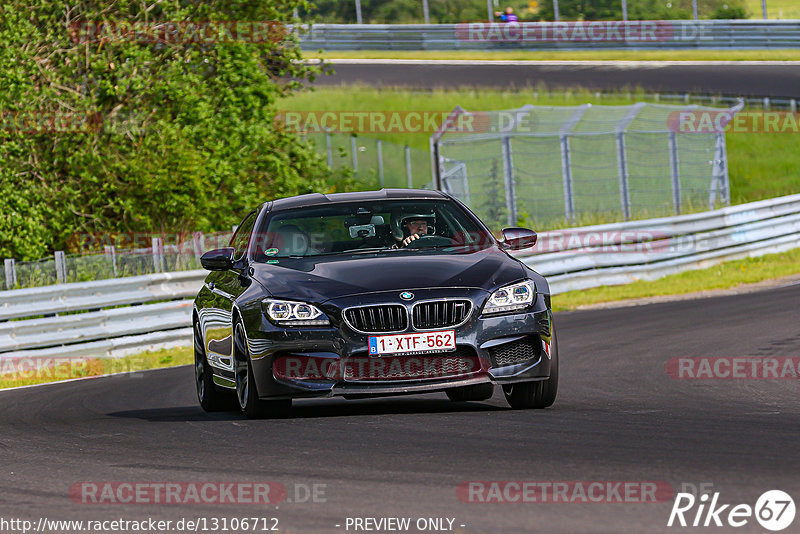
(501, 349)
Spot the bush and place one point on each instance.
(171, 135)
(727, 12)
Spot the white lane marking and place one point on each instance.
(549, 63)
(15, 388)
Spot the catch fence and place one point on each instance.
(547, 165)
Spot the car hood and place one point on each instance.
(328, 277)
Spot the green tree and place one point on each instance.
(171, 132)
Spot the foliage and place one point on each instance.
(727, 12)
(637, 9)
(409, 11)
(169, 135)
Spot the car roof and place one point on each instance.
(314, 199)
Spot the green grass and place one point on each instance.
(760, 165)
(723, 276)
(65, 369)
(786, 54)
(783, 9)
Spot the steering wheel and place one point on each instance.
(425, 241)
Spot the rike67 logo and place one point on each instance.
(774, 510)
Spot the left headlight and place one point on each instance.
(291, 313)
(511, 298)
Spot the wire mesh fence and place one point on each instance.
(375, 163)
(181, 255)
(548, 166)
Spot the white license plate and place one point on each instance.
(441, 341)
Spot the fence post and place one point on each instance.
(111, 254)
(61, 267)
(11, 273)
(198, 244)
(408, 167)
(358, 12)
(158, 255)
(622, 168)
(622, 158)
(328, 148)
(566, 164)
(674, 169)
(436, 168)
(508, 178)
(566, 173)
(726, 184)
(793, 105)
(717, 172)
(380, 162)
(354, 150)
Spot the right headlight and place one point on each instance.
(511, 298)
(293, 313)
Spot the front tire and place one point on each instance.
(476, 393)
(210, 398)
(247, 394)
(539, 394)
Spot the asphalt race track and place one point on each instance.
(619, 417)
(726, 78)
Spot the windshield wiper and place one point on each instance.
(354, 251)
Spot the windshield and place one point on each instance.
(363, 227)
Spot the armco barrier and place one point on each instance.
(670, 34)
(586, 257)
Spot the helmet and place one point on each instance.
(400, 223)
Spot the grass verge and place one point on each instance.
(28, 372)
(781, 54)
(776, 9)
(726, 275)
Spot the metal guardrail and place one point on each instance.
(81, 296)
(611, 254)
(138, 322)
(671, 34)
(583, 257)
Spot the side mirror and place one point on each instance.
(220, 259)
(518, 238)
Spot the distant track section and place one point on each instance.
(745, 78)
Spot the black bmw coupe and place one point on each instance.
(371, 294)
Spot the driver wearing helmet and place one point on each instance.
(411, 226)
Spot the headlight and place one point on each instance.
(289, 313)
(509, 298)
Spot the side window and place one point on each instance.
(241, 238)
